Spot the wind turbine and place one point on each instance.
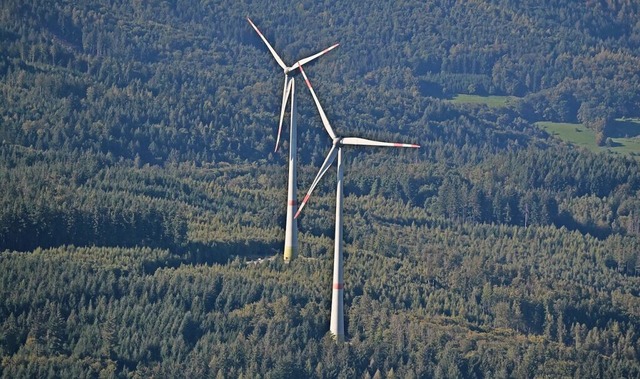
(337, 306)
(291, 228)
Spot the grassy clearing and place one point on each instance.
(579, 135)
(490, 101)
(625, 132)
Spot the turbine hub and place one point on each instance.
(337, 141)
(288, 70)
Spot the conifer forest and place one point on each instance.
(142, 204)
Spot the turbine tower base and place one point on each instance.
(289, 254)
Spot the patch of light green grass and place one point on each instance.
(576, 134)
(630, 146)
(490, 101)
(579, 135)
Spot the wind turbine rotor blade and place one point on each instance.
(367, 142)
(273, 52)
(314, 56)
(285, 96)
(325, 166)
(323, 116)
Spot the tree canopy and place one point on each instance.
(141, 200)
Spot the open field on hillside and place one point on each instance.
(490, 101)
(579, 135)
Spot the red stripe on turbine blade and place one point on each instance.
(301, 206)
(254, 26)
(306, 80)
(292, 202)
(329, 48)
(405, 145)
(338, 286)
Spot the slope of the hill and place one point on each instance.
(137, 174)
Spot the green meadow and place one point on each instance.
(490, 101)
(625, 132)
(625, 140)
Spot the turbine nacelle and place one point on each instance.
(293, 68)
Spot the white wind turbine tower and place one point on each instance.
(291, 228)
(337, 311)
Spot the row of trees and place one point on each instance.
(50, 199)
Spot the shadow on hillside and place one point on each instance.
(624, 128)
(566, 219)
(223, 252)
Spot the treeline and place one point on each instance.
(52, 199)
(46, 202)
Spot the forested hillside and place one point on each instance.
(138, 186)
